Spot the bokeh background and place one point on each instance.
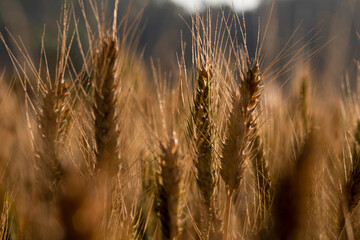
(329, 28)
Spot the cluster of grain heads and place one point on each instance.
(48, 111)
(75, 184)
(46, 100)
(61, 205)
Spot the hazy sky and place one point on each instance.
(239, 4)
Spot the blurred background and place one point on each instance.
(329, 27)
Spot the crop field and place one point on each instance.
(120, 147)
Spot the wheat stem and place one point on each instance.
(227, 214)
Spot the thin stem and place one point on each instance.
(227, 214)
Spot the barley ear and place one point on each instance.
(105, 105)
(240, 127)
(170, 184)
(53, 124)
(202, 133)
(241, 122)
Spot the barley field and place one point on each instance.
(119, 147)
